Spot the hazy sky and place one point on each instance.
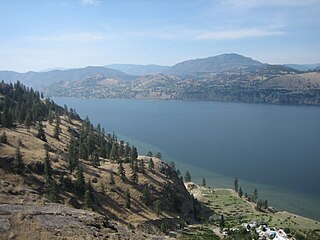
(42, 34)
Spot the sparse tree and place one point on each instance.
(112, 182)
(157, 205)
(53, 191)
(204, 182)
(87, 201)
(47, 168)
(56, 132)
(149, 154)
(134, 176)
(151, 164)
(146, 195)
(187, 177)
(236, 184)
(18, 164)
(41, 134)
(3, 138)
(121, 171)
(240, 193)
(141, 166)
(114, 152)
(95, 159)
(255, 195)
(80, 182)
(127, 198)
(221, 222)
(158, 155)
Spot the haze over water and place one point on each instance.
(273, 148)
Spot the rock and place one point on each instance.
(36, 167)
(4, 225)
(94, 180)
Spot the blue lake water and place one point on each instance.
(273, 148)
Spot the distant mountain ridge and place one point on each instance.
(43, 79)
(303, 67)
(136, 69)
(216, 64)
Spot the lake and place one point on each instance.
(275, 149)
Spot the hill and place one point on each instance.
(303, 67)
(135, 69)
(216, 64)
(61, 177)
(39, 80)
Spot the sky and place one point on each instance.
(41, 34)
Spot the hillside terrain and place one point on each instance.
(226, 77)
(79, 182)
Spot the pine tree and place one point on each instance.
(158, 155)
(240, 193)
(255, 195)
(80, 182)
(87, 201)
(236, 184)
(112, 182)
(3, 138)
(127, 198)
(121, 171)
(187, 177)
(146, 195)
(18, 164)
(157, 205)
(134, 176)
(41, 134)
(47, 168)
(204, 182)
(72, 155)
(265, 204)
(95, 159)
(134, 153)
(141, 166)
(53, 191)
(221, 222)
(50, 117)
(149, 154)
(151, 164)
(56, 132)
(114, 152)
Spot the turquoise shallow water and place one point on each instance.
(273, 148)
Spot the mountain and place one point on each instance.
(303, 67)
(134, 69)
(39, 80)
(216, 64)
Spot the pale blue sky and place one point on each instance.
(40, 34)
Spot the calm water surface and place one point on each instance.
(273, 148)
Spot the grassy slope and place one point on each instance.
(238, 210)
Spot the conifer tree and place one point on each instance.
(41, 134)
(221, 222)
(187, 177)
(127, 198)
(236, 184)
(151, 164)
(114, 152)
(240, 193)
(50, 117)
(112, 182)
(47, 168)
(87, 201)
(134, 176)
(149, 154)
(18, 164)
(146, 195)
(121, 171)
(158, 155)
(95, 159)
(157, 205)
(3, 138)
(72, 155)
(80, 182)
(204, 182)
(255, 195)
(53, 191)
(141, 166)
(56, 132)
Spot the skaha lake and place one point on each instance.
(275, 149)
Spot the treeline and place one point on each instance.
(23, 105)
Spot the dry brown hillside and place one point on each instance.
(25, 212)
